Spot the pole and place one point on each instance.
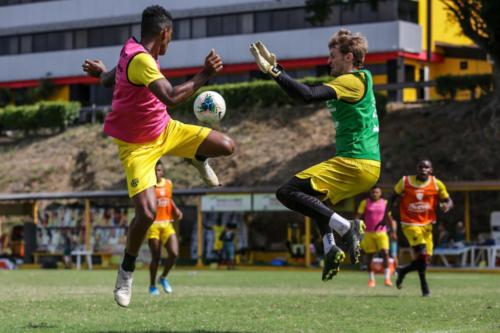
(307, 241)
(467, 216)
(199, 219)
(35, 211)
(87, 224)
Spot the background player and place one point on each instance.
(419, 197)
(143, 130)
(355, 168)
(162, 232)
(375, 240)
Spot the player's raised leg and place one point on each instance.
(215, 144)
(299, 195)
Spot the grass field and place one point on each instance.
(247, 301)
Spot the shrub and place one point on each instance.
(253, 95)
(449, 85)
(30, 118)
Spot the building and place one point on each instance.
(408, 41)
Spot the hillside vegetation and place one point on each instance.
(273, 144)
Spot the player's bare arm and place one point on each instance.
(389, 220)
(446, 205)
(97, 69)
(172, 96)
(177, 213)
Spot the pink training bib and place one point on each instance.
(137, 115)
(374, 213)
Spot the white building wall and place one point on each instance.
(293, 44)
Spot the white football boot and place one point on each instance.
(206, 172)
(123, 288)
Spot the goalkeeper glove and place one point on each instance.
(265, 59)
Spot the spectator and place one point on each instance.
(67, 248)
(443, 236)
(459, 237)
(227, 238)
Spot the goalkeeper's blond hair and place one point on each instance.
(355, 43)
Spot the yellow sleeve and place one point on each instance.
(443, 192)
(399, 188)
(142, 70)
(349, 87)
(362, 207)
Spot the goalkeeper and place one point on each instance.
(355, 167)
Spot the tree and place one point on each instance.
(480, 21)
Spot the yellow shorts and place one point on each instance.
(139, 159)
(419, 234)
(374, 242)
(161, 231)
(342, 177)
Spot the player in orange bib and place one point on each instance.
(162, 232)
(419, 197)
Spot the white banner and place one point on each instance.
(226, 203)
(267, 202)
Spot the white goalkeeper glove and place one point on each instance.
(265, 59)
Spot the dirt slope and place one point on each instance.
(272, 145)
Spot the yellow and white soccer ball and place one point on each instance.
(209, 107)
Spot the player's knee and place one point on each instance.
(155, 258)
(283, 194)
(173, 254)
(147, 214)
(420, 249)
(228, 146)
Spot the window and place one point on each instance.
(262, 21)
(50, 41)
(297, 19)
(279, 20)
(246, 23)
(19, 2)
(107, 36)
(377, 69)
(408, 10)
(199, 27)
(214, 26)
(135, 30)
(81, 37)
(410, 73)
(182, 29)
(9, 45)
(231, 24)
(26, 44)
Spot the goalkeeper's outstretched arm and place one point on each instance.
(304, 92)
(266, 61)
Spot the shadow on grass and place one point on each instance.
(165, 331)
(41, 325)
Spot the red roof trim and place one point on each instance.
(233, 68)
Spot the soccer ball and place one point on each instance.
(209, 107)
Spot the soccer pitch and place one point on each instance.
(247, 301)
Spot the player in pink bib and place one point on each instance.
(142, 129)
(376, 240)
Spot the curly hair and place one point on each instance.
(154, 20)
(355, 43)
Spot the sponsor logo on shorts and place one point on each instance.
(134, 182)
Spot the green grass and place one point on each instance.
(247, 301)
